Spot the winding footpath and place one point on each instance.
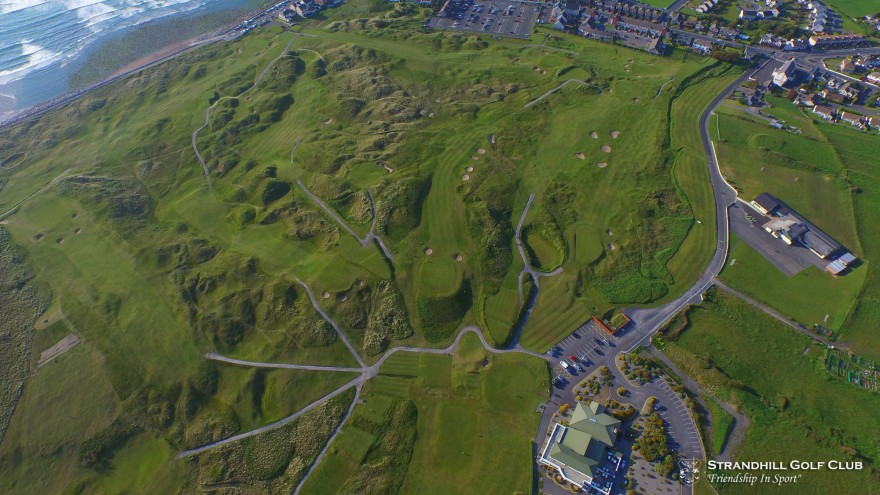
(208, 110)
(528, 269)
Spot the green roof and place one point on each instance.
(594, 421)
(583, 442)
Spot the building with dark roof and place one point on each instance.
(787, 225)
(766, 203)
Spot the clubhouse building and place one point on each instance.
(579, 451)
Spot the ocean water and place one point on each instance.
(45, 45)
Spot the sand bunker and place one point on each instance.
(431, 115)
(491, 138)
(611, 246)
(457, 257)
(74, 215)
(469, 169)
(614, 134)
(60, 240)
(481, 151)
(359, 283)
(77, 230)
(325, 295)
(601, 164)
(341, 297)
(608, 232)
(594, 134)
(326, 122)
(385, 166)
(605, 148)
(475, 157)
(580, 155)
(38, 236)
(465, 177)
(543, 72)
(429, 251)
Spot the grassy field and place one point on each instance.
(823, 174)
(810, 297)
(464, 420)
(777, 377)
(152, 263)
(854, 8)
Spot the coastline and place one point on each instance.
(225, 32)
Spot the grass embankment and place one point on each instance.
(777, 377)
(432, 424)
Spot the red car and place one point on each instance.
(573, 359)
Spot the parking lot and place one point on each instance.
(589, 344)
(501, 18)
(789, 259)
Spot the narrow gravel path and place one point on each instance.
(562, 85)
(527, 267)
(339, 331)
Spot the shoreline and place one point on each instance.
(226, 32)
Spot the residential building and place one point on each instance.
(784, 73)
(766, 203)
(832, 97)
(873, 77)
(824, 41)
(847, 66)
(824, 111)
(851, 119)
(748, 14)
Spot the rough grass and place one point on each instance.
(459, 406)
(793, 403)
(810, 297)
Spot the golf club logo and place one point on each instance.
(689, 470)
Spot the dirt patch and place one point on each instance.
(428, 251)
(605, 148)
(77, 230)
(58, 349)
(325, 295)
(594, 134)
(580, 155)
(614, 134)
(457, 257)
(481, 151)
(601, 164)
(465, 177)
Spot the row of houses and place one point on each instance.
(758, 15)
(706, 6)
(790, 45)
(826, 41)
(830, 114)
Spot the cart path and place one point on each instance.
(663, 86)
(366, 374)
(562, 85)
(527, 267)
(208, 110)
(271, 426)
(364, 241)
(302, 481)
(339, 331)
(257, 364)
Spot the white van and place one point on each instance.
(563, 364)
